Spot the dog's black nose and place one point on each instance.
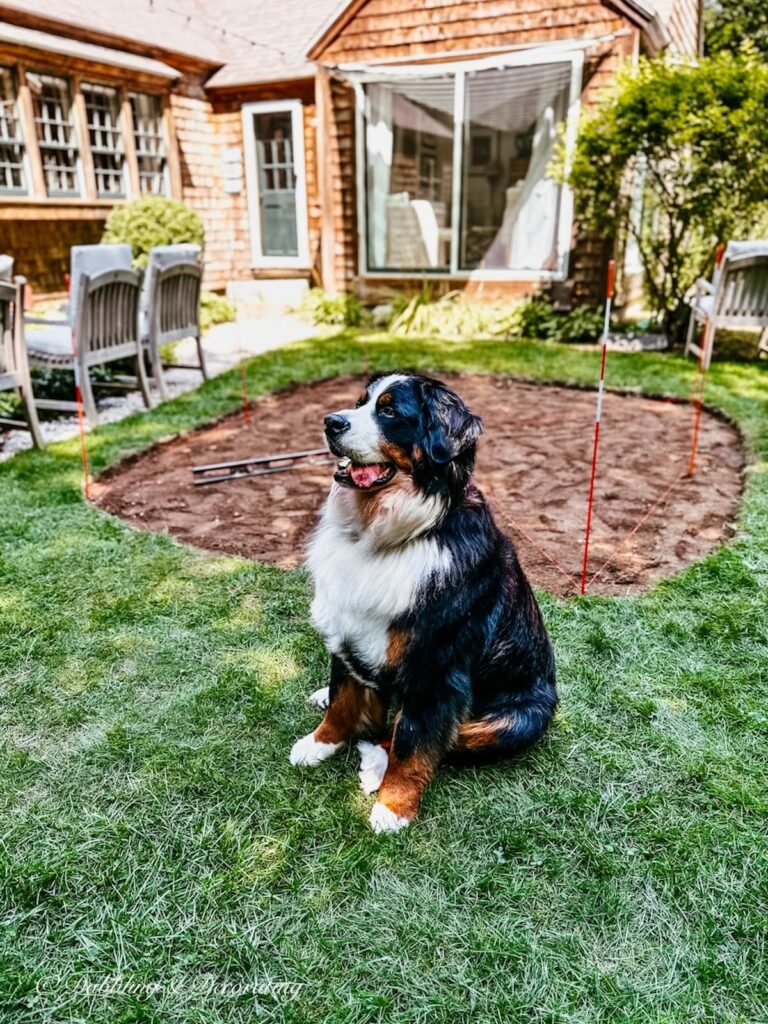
(336, 424)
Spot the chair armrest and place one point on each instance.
(29, 319)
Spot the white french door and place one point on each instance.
(273, 144)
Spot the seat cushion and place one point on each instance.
(55, 341)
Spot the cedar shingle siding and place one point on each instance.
(264, 56)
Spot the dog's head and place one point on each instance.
(409, 424)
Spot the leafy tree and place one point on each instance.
(728, 24)
(698, 135)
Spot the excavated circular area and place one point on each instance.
(533, 464)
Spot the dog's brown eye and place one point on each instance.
(387, 411)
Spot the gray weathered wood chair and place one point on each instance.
(173, 312)
(105, 329)
(736, 298)
(14, 367)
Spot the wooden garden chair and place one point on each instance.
(173, 313)
(14, 367)
(105, 330)
(736, 298)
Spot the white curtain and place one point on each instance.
(533, 243)
(378, 143)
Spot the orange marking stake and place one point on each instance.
(598, 417)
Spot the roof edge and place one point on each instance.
(640, 12)
(43, 23)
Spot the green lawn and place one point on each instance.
(161, 861)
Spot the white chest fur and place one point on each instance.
(360, 585)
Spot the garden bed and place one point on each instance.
(533, 464)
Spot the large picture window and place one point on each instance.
(456, 170)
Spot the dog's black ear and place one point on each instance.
(449, 427)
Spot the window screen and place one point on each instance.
(150, 143)
(12, 178)
(55, 133)
(102, 105)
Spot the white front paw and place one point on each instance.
(373, 765)
(384, 820)
(320, 698)
(308, 751)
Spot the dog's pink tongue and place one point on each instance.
(366, 476)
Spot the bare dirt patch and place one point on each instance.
(533, 465)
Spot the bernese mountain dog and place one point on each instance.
(438, 648)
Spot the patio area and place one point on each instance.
(225, 345)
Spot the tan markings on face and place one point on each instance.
(353, 710)
(396, 646)
(385, 399)
(481, 732)
(395, 454)
(405, 781)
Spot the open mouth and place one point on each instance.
(365, 478)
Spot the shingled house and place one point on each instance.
(365, 145)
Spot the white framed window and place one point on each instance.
(273, 144)
(149, 140)
(452, 167)
(13, 170)
(102, 109)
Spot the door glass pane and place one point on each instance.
(510, 208)
(409, 168)
(276, 165)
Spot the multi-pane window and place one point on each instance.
(55, 133)
(12, 178)
(150, 143)
(102, 107)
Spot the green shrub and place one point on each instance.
(458, 319)
(215, 309)
(452, 317)
(343, 310)
(153, 220)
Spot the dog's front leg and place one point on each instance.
(353, 709)
(415, 752)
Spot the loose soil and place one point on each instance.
(533, 465)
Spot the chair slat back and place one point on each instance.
(92, 260)
(741, 299)
(160, 257)
(108, 313)
(175, 301)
